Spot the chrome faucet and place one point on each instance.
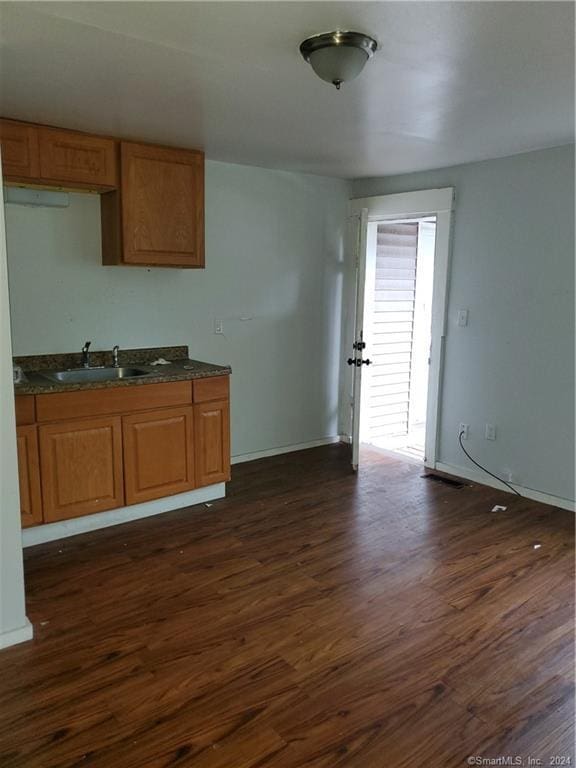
(86, 355)
(115, 356)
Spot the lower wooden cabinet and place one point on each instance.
(81, 464)
(212, 439)
(90, 451)
(29, 475)
(158, 453)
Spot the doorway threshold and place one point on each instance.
(411, 445)
(405, 456)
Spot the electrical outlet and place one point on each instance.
(508, 475)
(490, 432)
(463, 430)
(218, 326)
(462, 318)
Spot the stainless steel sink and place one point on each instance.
(80, 375)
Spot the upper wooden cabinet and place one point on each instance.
(158, 217)
(151, 198)
(77, 158)
(53, 157)
(20, 151)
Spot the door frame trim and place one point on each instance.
(427, 202)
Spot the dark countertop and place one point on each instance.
(181, 368)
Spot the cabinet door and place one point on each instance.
(77, 158)
(20, 157)
(162, 206)
(29, 476)
(81, 465)
(158, 454)
(212, 433)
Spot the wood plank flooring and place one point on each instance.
(313, 619)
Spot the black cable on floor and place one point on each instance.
(484, 468)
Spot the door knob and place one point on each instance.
(358, 363)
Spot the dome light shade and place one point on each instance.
(338, 56)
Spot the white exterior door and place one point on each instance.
(356, 358)
(409, 205)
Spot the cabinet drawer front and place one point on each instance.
(214, 388)
(20, 154)
(158, 454)
(25, 409)
(81, 465)
(29, 476)
(212, 433)
(71, 157)
(162, 206)
(96, 402)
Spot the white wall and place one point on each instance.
(513, 268)
(14, 626)
(273, 253)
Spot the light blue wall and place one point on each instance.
(273, 253)
(513, 268)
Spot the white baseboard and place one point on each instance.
(40, 534)
(15, 636)
(241, 457)
(483, 479)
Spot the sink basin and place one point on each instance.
(80, 375)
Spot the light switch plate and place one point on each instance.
(490, 432)
(462, 317)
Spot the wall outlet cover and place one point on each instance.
(490, 432)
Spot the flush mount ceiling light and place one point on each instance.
(338, 56)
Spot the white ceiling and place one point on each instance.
(451, 83)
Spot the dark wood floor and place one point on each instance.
(313, 619)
